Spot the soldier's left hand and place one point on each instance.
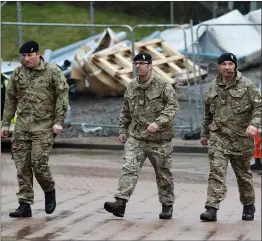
(153, 127)
(57, 129)
(251, 131)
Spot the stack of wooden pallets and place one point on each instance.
(113, 67)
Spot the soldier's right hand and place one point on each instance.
(203, 141)
(122, 138)
(4, 132)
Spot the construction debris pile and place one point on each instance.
(106, 67)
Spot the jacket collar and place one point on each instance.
(234, 81)
(147, 83)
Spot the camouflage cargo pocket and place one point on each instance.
(240, 101)
(131, 102)
(212, 145)
(155, 101)
(165, 160)
(19, 148)
(41, 150)
(212, 99)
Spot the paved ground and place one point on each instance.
(86, 179)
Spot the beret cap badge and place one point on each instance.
(227, 57)
(29, 47)
(143, 56)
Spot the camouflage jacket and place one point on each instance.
(39, 97)
(153, 101)
(229, 110)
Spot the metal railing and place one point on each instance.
(132, 31)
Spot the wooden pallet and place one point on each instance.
(175, 68)
(167, 62)
(112, 61)
(90, 76)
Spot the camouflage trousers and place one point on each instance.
(216, 191)
(159, 155)
(30, 153)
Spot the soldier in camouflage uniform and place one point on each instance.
(38, 93)
(146, 127)
(232, 116)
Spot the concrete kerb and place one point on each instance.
(6, 146)
(178, 149)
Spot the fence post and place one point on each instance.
(91, 17)
(19, 19)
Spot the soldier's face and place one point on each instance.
(227, 68)
(142, 68)
(30, 60)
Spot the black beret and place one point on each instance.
(227, 57)
(29, 47)
(143, 56)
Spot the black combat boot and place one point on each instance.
(50, 202)
(248, 212)
(209, 215)
(23, 211)
(117, 208)
(167, 212)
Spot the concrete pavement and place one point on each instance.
(86, 179)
